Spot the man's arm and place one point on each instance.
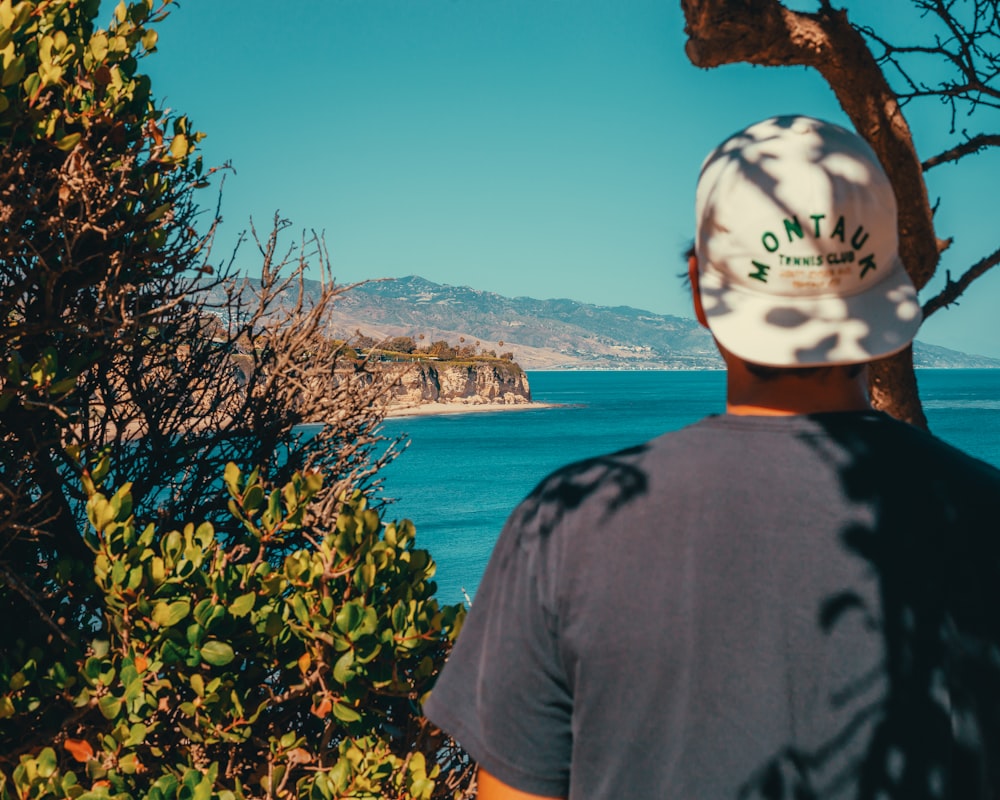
(490, 788)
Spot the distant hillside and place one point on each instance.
(930, 356)
(552, 334)
(543, 334)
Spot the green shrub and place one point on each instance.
(252, 668)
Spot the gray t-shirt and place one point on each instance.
(752, 607)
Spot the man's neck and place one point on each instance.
(828, 391)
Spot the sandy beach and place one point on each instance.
(436, 409)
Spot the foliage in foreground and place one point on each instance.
(154, 661)
(289, 662)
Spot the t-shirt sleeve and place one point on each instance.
(503, 694)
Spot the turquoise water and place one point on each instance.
(463, 474)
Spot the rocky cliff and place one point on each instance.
(469, 383)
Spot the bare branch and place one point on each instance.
(954, 289)
(19, 586)
(969, 147)
(968, 45)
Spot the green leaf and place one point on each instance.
(422, 788)
(47, 762)
(399, 620)
(172, 546)
(343, 670)
(50, 74)
(203, 791)
(136, 734)
(99, 45)
(252, 499)
(179, 146)
(274, 506)
(158, 212)
(242, 605)
(349, 617)
(345, 713)
(111, 706)
(169, 614)
(195, 634)
(67, 143)
(13, 73)
(231, 477)
(274, 625)
(203, 610)
(66, 384)
(217, 653)
(369, 623)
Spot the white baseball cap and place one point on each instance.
(796, 240)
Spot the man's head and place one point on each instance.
(796, 248)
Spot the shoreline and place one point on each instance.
(443, 409)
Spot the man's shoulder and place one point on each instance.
(592, 489)
(915, 449)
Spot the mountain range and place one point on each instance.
(550, 334)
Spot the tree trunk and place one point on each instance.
(892, 384)
(764, 32)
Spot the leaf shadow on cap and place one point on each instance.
(749, 161)
(748, 155)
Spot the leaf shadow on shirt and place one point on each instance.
(612, 477)
(925, 724)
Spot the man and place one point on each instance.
(797, 599)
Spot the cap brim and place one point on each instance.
(811, 331)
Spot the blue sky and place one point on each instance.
(547, 148)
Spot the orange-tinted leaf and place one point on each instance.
(79, 749)
(305, 661)
(323, 709)
(141, 664)
(299, 756)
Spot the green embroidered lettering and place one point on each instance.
(761, 273)
(770, 244)
(838, 229)
(854, 239)
(793, 226)
(867, 263)
(816, 218)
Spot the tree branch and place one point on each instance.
(764, 32)
(954, 289)
(973, 145)
(26, 592)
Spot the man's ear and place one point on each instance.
(699, 309)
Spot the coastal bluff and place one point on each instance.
(492, 382)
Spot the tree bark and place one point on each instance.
(766, 33)
(892, 386)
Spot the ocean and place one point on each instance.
(462, 474)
